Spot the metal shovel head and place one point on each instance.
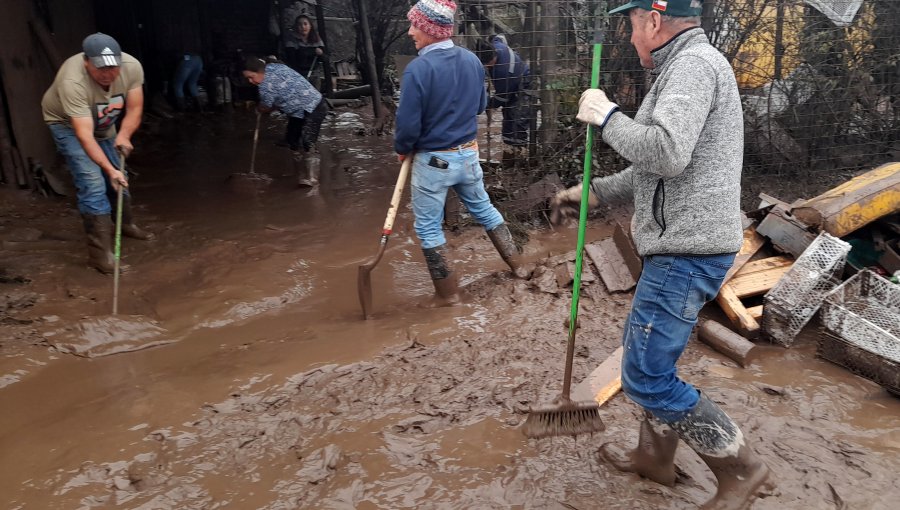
(565, 419)
(364, 281)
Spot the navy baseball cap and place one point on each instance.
(102, 50)
(679, 8)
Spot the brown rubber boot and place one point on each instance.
(129, 228)
(654, 455)
(446, 283)
(99, 230)
(506, 247)
(720, 443)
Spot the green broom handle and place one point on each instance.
(582, 217)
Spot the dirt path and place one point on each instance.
(275, 394)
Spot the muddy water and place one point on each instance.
(273, 394)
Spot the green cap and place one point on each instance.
(680, 8)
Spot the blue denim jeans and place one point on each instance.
(95, 194)
(187, 73)
(429, 192)
(670, 293)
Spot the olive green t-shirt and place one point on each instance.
(75, 94)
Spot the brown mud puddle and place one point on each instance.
(277, 395)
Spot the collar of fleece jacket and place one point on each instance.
(684, 39)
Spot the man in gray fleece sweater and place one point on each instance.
(685, 145)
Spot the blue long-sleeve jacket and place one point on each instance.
(441, 97)
(509, 75)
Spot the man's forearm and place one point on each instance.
(95, 152)
(131, 122)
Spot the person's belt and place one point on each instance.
(468, 145)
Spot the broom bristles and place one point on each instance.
(570, 419)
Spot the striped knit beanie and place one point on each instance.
(434, 17)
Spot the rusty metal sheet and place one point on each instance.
(787, 234)
(616, 261)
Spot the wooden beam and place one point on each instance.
(735, 310)
(759, 276)
(752, 243)
(755, 311)
(603, 382)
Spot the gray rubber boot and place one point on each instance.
(446, 283)
(309, 176)
(654, 455)
(506, 247)
(129, 228)
(100, 231)
(720, 443)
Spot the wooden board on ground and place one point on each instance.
(753, 279)
(603, 383)
(752, 243)
(616, 261)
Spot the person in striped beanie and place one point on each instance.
(434, 17)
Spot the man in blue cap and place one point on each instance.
(92, 90)
(685, 146)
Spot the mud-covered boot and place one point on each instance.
(506, 247)
(654, 455)
(446, 283)
(129, 228)
(309, 173)
(99, 230)
(720, 443)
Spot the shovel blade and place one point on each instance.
(364, 288)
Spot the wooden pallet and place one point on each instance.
(748, 279)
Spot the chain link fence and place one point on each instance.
(819, 79)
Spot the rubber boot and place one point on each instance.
(129, 228)
(99, 230)
(309, 172)
(720, 443)
(446, 283)
(180, 104)
(506, 247)
(654, 455)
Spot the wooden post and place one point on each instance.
(726, 342)
(779, 38)
(549, 95)
(7, 160)
(370, 59)
(530, 56)
(326, 62)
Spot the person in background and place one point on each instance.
(510, 77)
(283, 89)
(309, 49)
(187, 75)
(437, 120)
(686, 146)
(90, 94)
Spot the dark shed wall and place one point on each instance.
(26, 68)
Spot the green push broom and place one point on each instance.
(565, 417)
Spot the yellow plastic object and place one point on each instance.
(854, 204)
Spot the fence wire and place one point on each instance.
(819, 80)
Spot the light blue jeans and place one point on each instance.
(429, 192)
(670, 293)
(95, 194)
(187, 73)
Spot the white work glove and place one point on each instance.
(594, 108)
(567, 204)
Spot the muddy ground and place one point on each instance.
(240, 374)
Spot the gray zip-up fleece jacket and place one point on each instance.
(686, 146)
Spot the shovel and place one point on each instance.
(364, 278)
(565, 417)
(253, 177)
(118, 243)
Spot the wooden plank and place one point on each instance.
(758, 282)
(762, 265)
(735, 310)
(752, 243)
(603, 382)
(755, 311)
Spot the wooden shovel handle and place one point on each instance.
(398, 191)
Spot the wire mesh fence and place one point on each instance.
(819, 81)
